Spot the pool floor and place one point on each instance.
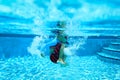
(78, 68)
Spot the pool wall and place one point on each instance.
(13, 47)
(16, 46)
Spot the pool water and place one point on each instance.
(78, 68)
(93, 29)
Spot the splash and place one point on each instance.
(34, 48)
(70, 50)
(75, 44)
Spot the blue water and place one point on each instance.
(25, 26)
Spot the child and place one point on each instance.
(58, 44)
(57, 51)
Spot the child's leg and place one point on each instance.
(61, 54)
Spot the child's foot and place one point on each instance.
(61, 61)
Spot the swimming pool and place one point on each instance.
(93, 30)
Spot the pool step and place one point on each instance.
(108, 56)
(112, 49)
(112, 52)
(115, 45)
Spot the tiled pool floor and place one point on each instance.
(78, 68)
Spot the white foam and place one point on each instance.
(74, 46)
(34, 47)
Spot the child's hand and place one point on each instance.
(42, 55)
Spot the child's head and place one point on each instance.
(61, 24)
(60, 27)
